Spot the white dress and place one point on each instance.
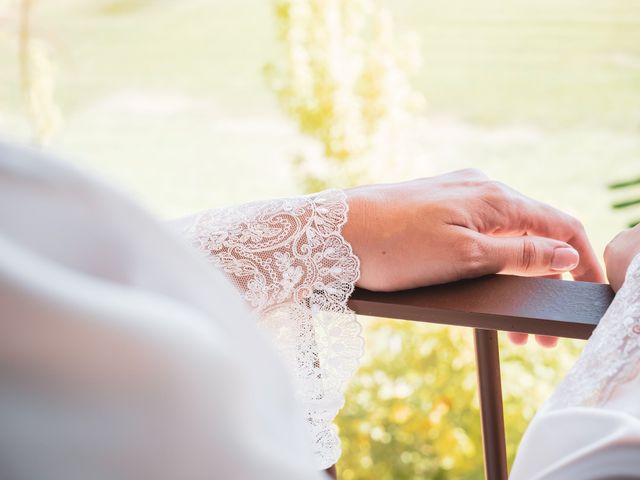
(124, 355)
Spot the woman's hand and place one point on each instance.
(619, 253)
(461, 225)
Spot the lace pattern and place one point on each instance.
(612, 355)
(296, 271)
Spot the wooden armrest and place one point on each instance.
(496, 302)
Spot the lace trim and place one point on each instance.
(296, 271)
(612, 355)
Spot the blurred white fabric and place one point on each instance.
(122, 354)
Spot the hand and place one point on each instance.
(461, 225)
(619, 253)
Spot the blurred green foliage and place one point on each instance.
(627, 202)
(412, 410)
(35, 69)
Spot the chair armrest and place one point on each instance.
(497, 302)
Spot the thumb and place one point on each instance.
(529, 255)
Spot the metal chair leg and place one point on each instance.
(491, 412)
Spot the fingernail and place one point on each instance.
(564, 259)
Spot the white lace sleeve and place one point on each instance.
(296, 271)
(611, 358)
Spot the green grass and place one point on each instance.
(553, 63)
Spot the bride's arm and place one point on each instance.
(297, 260)
(410, 234)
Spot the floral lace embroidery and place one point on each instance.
(612, 355)
(296, 271)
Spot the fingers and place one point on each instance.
(513, 214)
(530, 256)
(619, 253)
(546, 341)
(518, 338)
(589, 269)
(549, 222)
(527, 255)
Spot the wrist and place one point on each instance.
(355, 229)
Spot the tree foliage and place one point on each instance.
(36, 70)
(344, 79)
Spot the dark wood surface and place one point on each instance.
(496, 302)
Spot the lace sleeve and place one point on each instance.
(611, 358)
(296, 271)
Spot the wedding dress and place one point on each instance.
(124, 355)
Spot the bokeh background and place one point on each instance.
(191, 104)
